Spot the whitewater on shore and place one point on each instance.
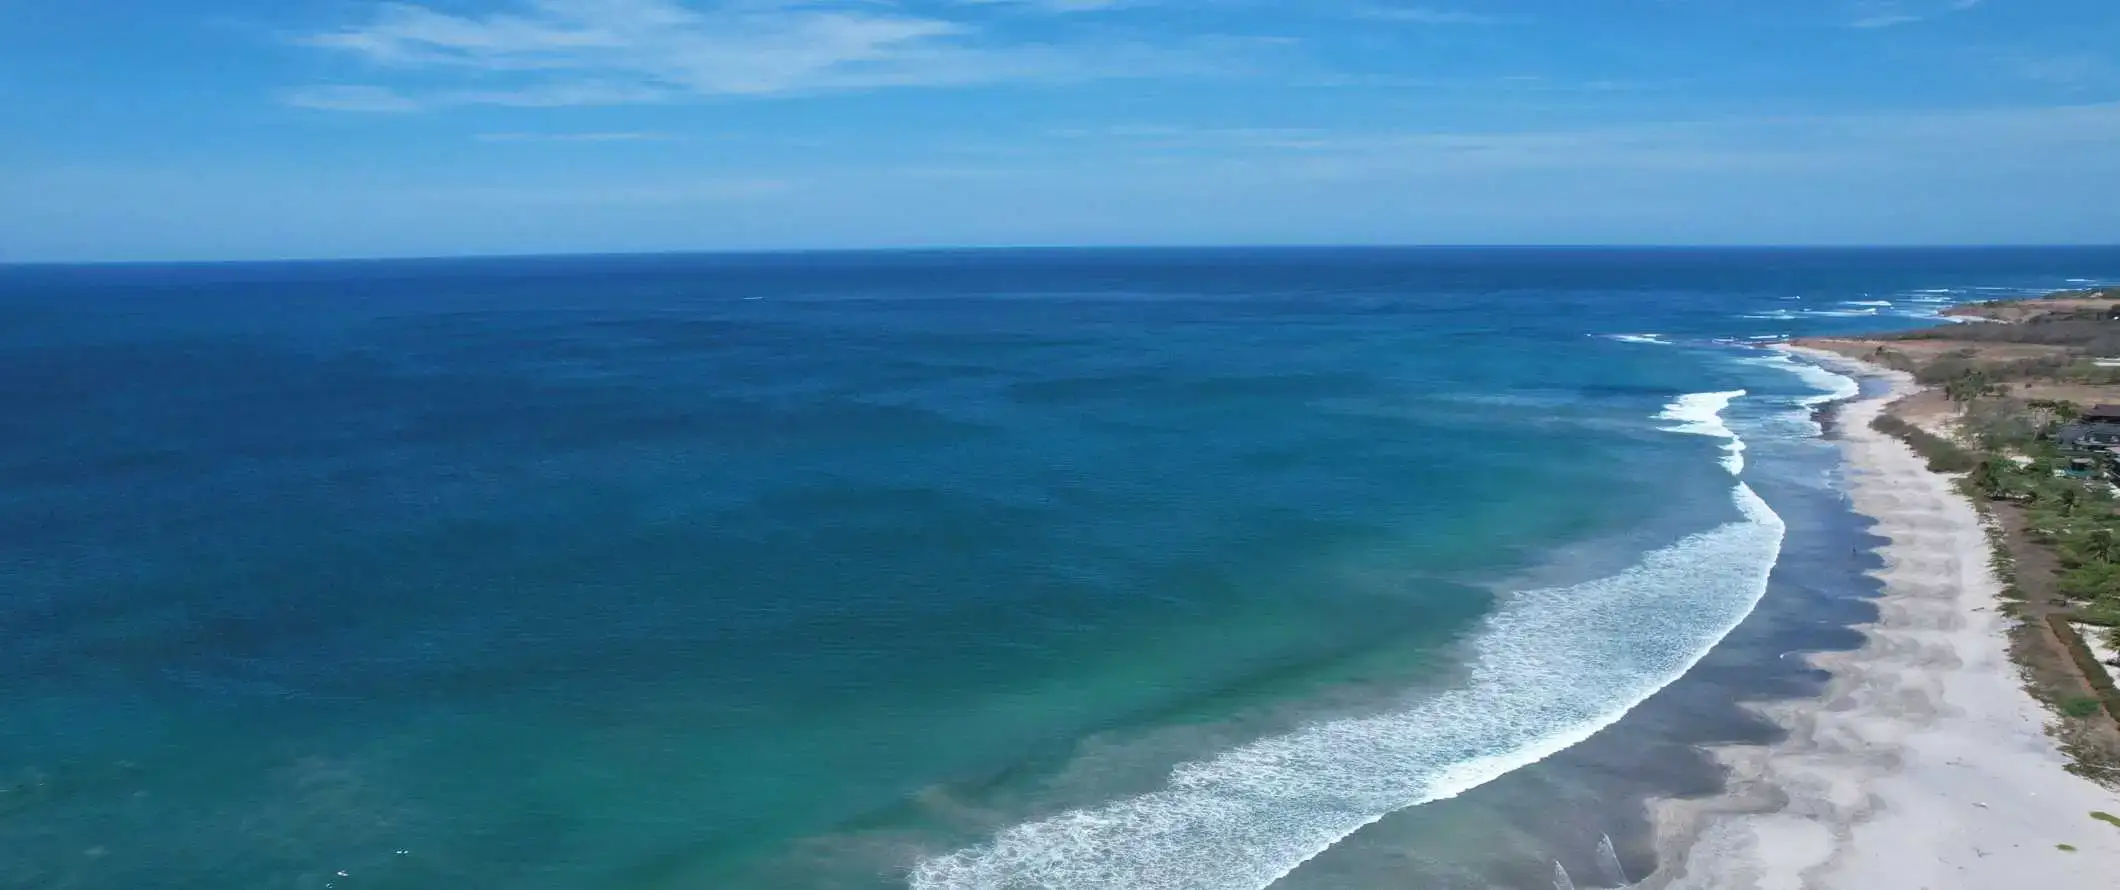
(1549, 669)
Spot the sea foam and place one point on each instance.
(1826, 385)
(1550, 668)
(1700, 414)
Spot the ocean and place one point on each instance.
(1073, 569)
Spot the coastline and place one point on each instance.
(1925, 765)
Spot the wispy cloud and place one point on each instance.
(1054, 5)
(1893, 13)
(2068, 71)
(377, 99)
(676, 192)
(1885, 20)
(342, 97)
(553, 52)
(1735, 143)
(616, 136)
(1429, 15)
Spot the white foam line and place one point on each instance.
(1651, 339)
(1549, 669)
(1700, 414)
(1827, 386)
(1831, 387)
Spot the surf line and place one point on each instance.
(1549, 669)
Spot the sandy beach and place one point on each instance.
(1926, 765)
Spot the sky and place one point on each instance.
(252, 129)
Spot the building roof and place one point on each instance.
(2102, 413)
(2084, 430)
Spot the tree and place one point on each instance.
(1968, 385)
(1987, 479)
(2070, 496)
(2101, 545)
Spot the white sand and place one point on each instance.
(1926, 765)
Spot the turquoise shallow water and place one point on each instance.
(864, 570)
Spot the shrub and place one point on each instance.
(2000, 424)
(1943, 456)
(2087, 662)
(2091, 581)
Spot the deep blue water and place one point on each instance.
(850, 570)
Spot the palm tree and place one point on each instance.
(2101, 545)
(2070, 497)
(1968, 385)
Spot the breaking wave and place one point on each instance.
(1550, 668)
(1827, 386)
(1700, 414)
(1867, 311)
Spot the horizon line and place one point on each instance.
(1034, 248)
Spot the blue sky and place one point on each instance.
(208, 129)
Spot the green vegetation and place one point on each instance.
(2080, 707)
(2079, 518)
(2107, 818)
(1962, 377)
(2013, 458)
(2002, 424)
(2086, 662)
(1943, 456)
(2054, 516)
(2065, 848)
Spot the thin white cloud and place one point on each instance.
(1735, 143)
(1893, 13)
(1054, 5)
(2068, 71)
(618, 51)
(704, 190)
(350, 97)
(1885, 20)
(373, 99)
(618, 136)
(1429, 15)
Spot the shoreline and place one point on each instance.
(1925, 765)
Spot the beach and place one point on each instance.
(1926, 765)
(1192, 570)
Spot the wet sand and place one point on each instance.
(1926, 765)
